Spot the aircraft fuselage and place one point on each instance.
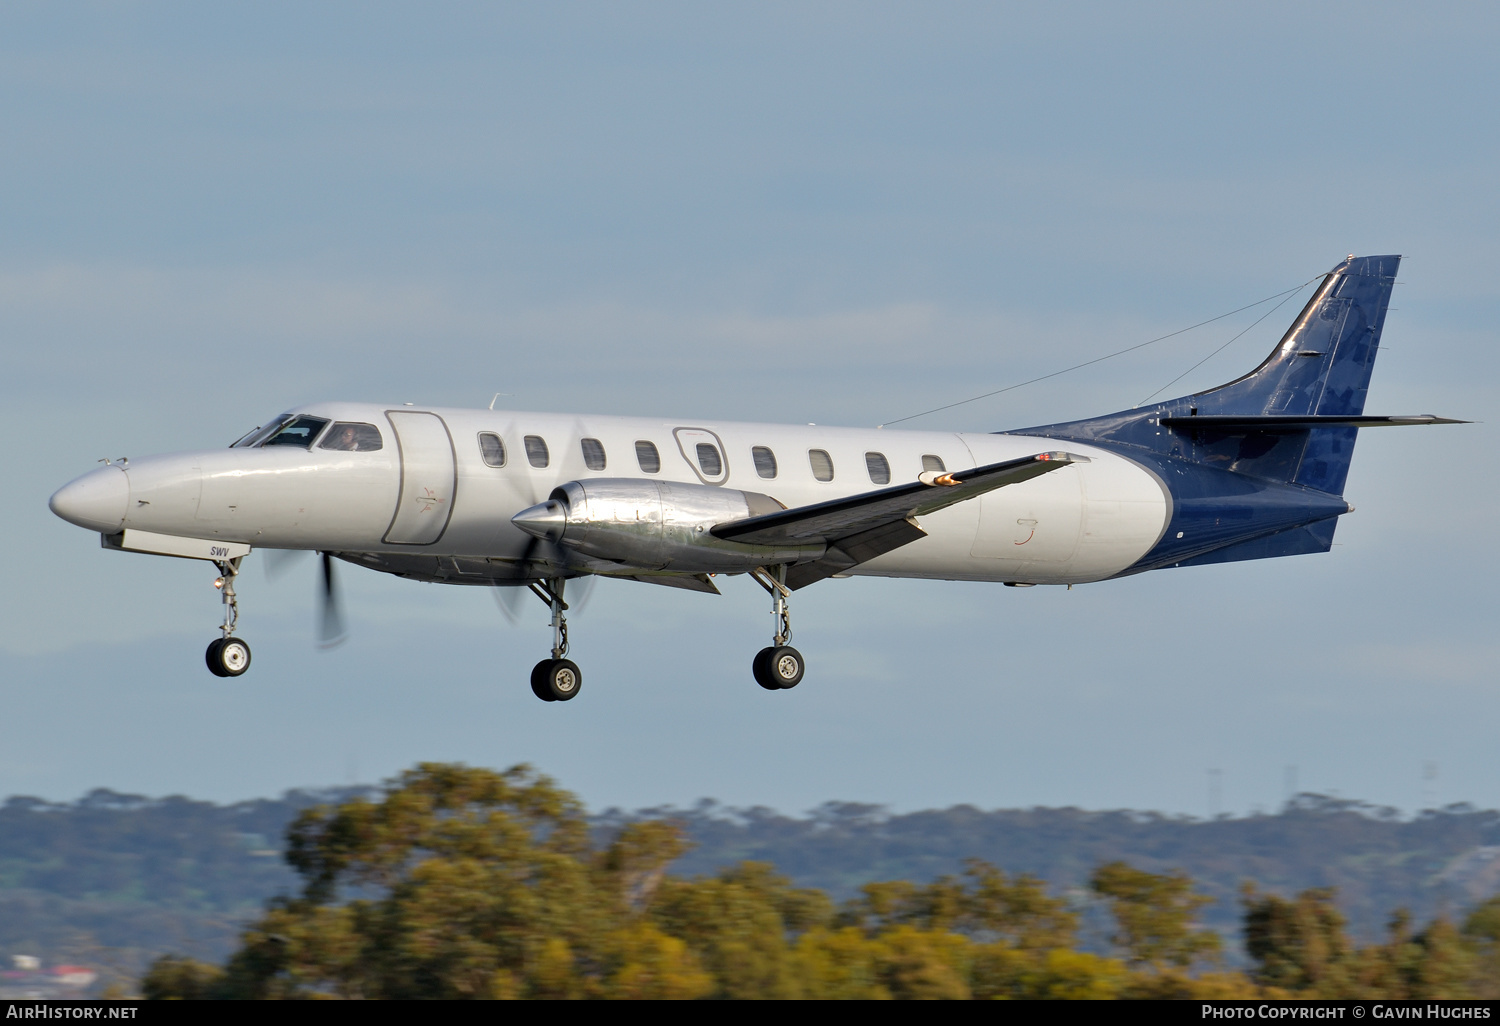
(427, 504)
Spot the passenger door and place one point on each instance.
(427, 478)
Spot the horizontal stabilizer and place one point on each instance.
(1273, 422)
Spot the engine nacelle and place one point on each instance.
(657, 525)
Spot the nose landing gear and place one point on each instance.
(778, 667)
(556, 679)
(228, 656)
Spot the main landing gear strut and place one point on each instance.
(556, 679)
(228, 656)
(779, 666)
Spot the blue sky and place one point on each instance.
(840, 213)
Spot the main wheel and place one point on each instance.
(784, 666)
(228, 657)
(557, 680)
(762, 669)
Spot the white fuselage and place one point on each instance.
(429, 491)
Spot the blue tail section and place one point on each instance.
(1261, 485)
(1321, 367)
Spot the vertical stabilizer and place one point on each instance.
(1322, 364)
(1321, 367)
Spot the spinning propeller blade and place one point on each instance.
(509, 599)
(278, 562)
(331, 619)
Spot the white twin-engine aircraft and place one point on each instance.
(1248, 470)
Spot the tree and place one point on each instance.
(1299, 944)
(1155, 916)
(740, 923)
(464, 882)
(1482, 933)
(172, 978)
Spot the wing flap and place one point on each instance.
(854, 550)
(689, 582)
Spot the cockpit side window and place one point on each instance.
(352, 437)
(299, 431)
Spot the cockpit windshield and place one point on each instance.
(250, 439)
(298, 431)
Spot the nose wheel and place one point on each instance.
(556, 679)
(228, 656)
(779, 666)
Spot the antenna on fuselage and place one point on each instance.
(497, 395)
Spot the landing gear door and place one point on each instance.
(427, 478)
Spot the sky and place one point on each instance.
(802, 212)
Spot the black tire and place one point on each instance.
(211, 657)
(538, 681)
(562, 680)
(784, 665)
(762, 669)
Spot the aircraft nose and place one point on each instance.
(545, 520)
(96, 501)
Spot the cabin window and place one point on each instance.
(536, 451)
(822, 464)
(299, 431)
(934, 464)
(765, 461)
(647, 456)
(593, 453)
(710, 460)
(491, 449)
(880, 470)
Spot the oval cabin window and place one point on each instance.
(710, 460)
(536, 451)
(491, 450)
(765, 461)
(593, 453)
(880, 470)
(647, 456)
(822, 464)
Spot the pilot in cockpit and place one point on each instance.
(356, 437)
(345, 439)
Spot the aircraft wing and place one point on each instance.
(859, 528)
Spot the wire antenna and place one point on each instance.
(1219, 350)
(1283, 296)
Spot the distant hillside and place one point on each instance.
(1441, 861)
(112, 880)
